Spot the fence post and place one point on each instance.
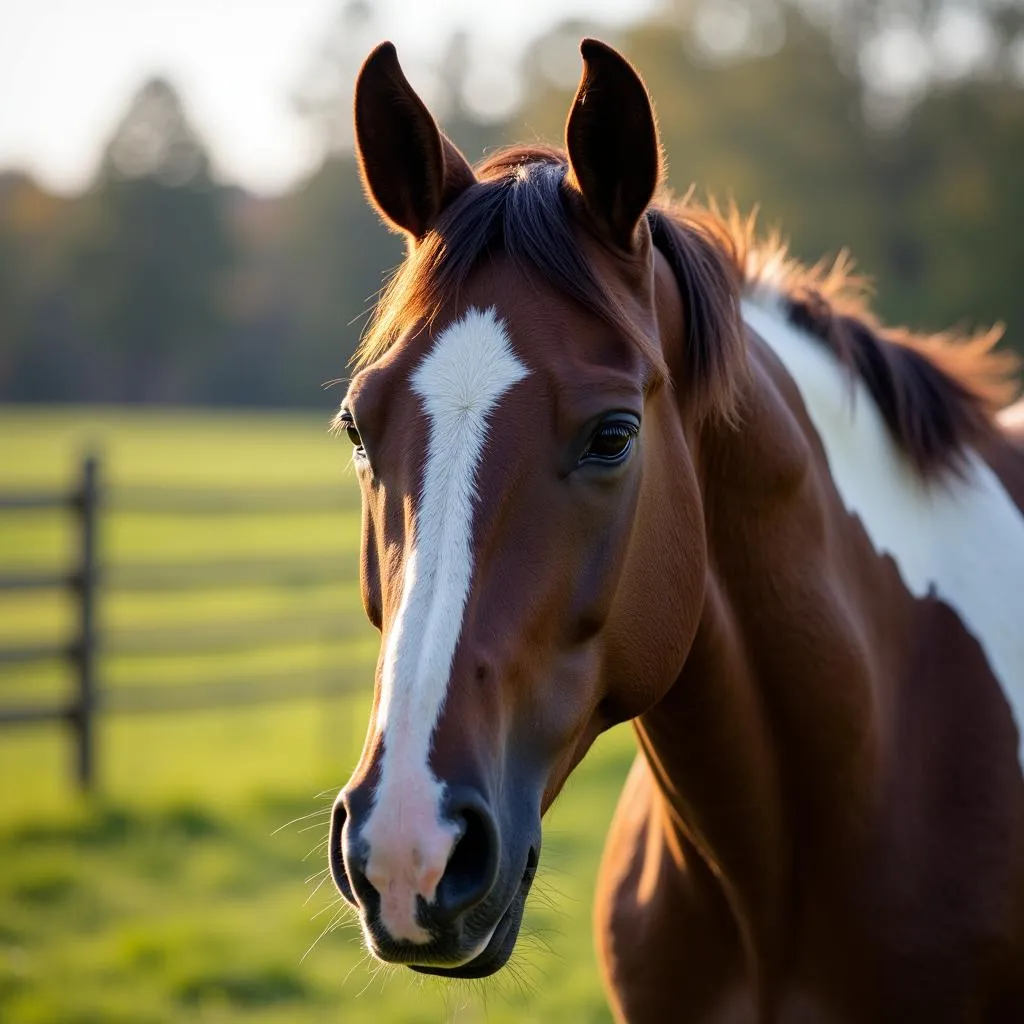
(84, 711)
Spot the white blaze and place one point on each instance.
(959, 538)
(460, 381)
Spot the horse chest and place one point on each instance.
(888, 943)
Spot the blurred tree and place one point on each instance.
(152, 252)
(338, 252)
(892, 127)
(781, 129)
(337, 256)
(962, 208)
(461, 99)
(324, 95)
(154, 141)
(930, 206)
(898, 49)
(38, 353)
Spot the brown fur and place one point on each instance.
(825, 819)
(938, 393)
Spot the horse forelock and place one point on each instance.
(517, 211)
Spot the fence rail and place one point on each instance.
(86, 501)
(30, 653)
(208, 575)
(38, 580)
(243, 635)
(35, 501)
(203, 502)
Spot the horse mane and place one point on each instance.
(938, 393)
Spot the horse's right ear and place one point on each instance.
(410, 170)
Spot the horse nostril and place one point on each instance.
(472, 868)
(530, 872)
(335, 852)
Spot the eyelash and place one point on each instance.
(619, 428)
(348, 425)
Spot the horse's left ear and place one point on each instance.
(612, 141)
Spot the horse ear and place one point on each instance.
(612, 141)
(410, 169)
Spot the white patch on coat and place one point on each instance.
(469, 368)
(959, 538)
(1012, 417)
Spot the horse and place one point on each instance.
(623, 460)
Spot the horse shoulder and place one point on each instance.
(666, 942)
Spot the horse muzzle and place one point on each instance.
(463, 914)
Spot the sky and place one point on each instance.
(69, 67)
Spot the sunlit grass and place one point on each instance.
(175, 895)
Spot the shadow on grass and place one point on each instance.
(243, 989)
(101, 824)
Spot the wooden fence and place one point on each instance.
(86, 503)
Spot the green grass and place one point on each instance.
(175, 895)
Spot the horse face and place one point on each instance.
(525, 481)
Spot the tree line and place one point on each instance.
(162, 284)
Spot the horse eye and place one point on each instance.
(611, 442)
(351, 432)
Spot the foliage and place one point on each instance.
(894, 130)
(928, 207)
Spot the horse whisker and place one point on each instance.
(323, 812)
(328, 906)
(317, 888)
(319, 847)
(315, 941)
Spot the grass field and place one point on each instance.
(176, 894)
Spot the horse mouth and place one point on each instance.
(499, 946)
(481, 962)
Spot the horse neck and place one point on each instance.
(763, 749)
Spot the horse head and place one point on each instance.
(533, 551)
